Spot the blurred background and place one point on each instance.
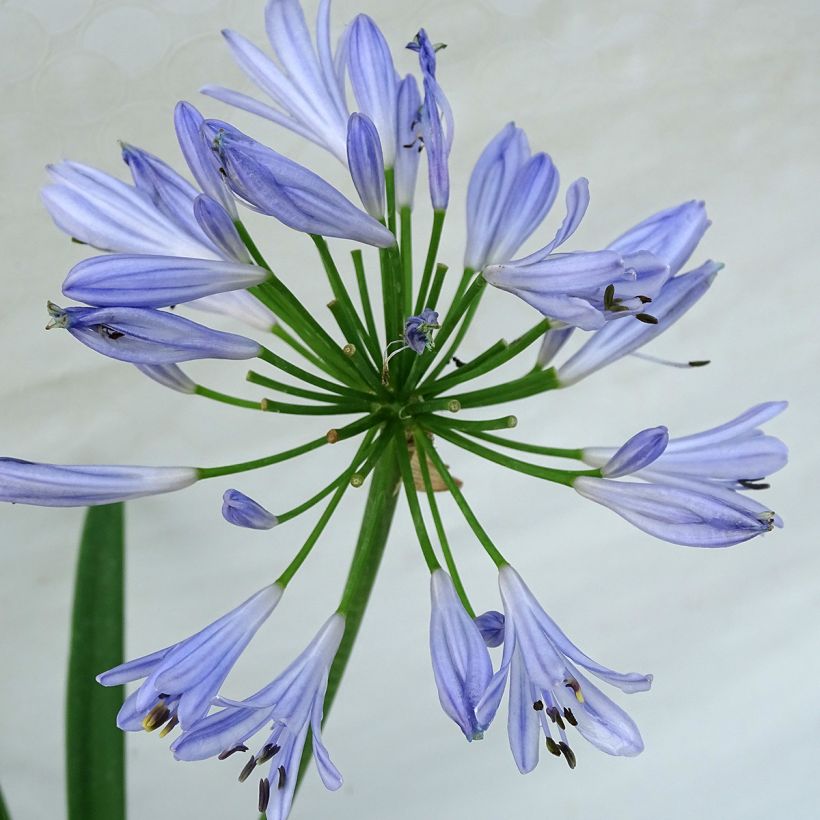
(656, 103)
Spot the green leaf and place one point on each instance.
(95, 747)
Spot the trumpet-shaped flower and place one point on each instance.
(146, 336)
(547, 690)
(308, 89)
(180, 681)
(84, 485)
(279, 187)
(461, 663)
(243, 511)
(292, 704)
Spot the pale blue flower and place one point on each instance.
(408, 142)
(85, 485)
(243, 511)
(146, 336)
(418, 330)
(308, 88)
(279, 187)
(491, 626)
(617, 339)
(364, 158)
(509, 194)
(547, 690)
(374, 80)
(149, 281)
(436, 124)
(461, 663)
(181, 680)
(168, 375)
(641, 450)
(292, 704)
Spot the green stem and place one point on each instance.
(529, 385)
(317, 381)
(430, 261)
(291, 409)
(406, 222)
(476, 427)
(281, 332)
(435, 289)
(537, 449)
(292, 390)
(364, 295)
(199, 390)
(461, 501)
(440, 531)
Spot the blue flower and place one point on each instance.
(84, 485)
(547, 690)
(149, 281)
(374, 80)
(145, 336)
(292, 703)
(491, 626)
(642, 449)
(509, 194)
(308, 89)
(168, 375)
(692, 497)
(418, 334)
(408, 142)
(364, 157)
(618, 339)
(279, 187)
(461, 663)
(239, 509)
(181, 680)
(436, 123)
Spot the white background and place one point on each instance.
(656, 103)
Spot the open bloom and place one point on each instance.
(308, 89)
(84, 485)
(146, 336)
(292, 703)
(547, 690)
(181, 680)
(461, 663)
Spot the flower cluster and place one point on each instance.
(166, 244)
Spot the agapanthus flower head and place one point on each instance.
(461, 663)
(547, 690)
(279, 187)
(85, 485)
(292, 704)
(242, 511)
(180, 681)
(308, 89)
(146, 336)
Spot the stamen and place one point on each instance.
(573, 684)
(246, 771)
(156, 717)
(668, 363)
(538, 705)
(268, 751)
(281, 778)
(647, 318)
(264, 794)
(568, 754)
(228, 752)
(169, 727)
(552, 747)
(555, 717)
(753, 484)
(571, 719)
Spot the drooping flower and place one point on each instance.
(180, 681)
(85, 485)
(509, 194)
(461, 663)
(149, 281)
(279, 187)
(292, 704)
(146, 336)
(364, 158)
(408, 144)
(374, 80)
(243, 511)
(547, 690)
(308, 89)
(436, 123)
(618, 339)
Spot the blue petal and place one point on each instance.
(239, 509)
(364, 158)
(168, 375)
(638, 452)
(408, 147)
(216, 223)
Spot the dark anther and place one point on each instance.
(647, 318)
(555, 717)
(268, 751)
(645, 300)
(264, 794)
(156, 717)
(753, 484)
(699, 363)
(571, 719)
(228, 752)
(222, 171)
(281, 778)
(110, 333)
(609, 296)
(170, 726)
(246, 771)
(552, 747)
(538, 705)
(568, 754)
(457, 362)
